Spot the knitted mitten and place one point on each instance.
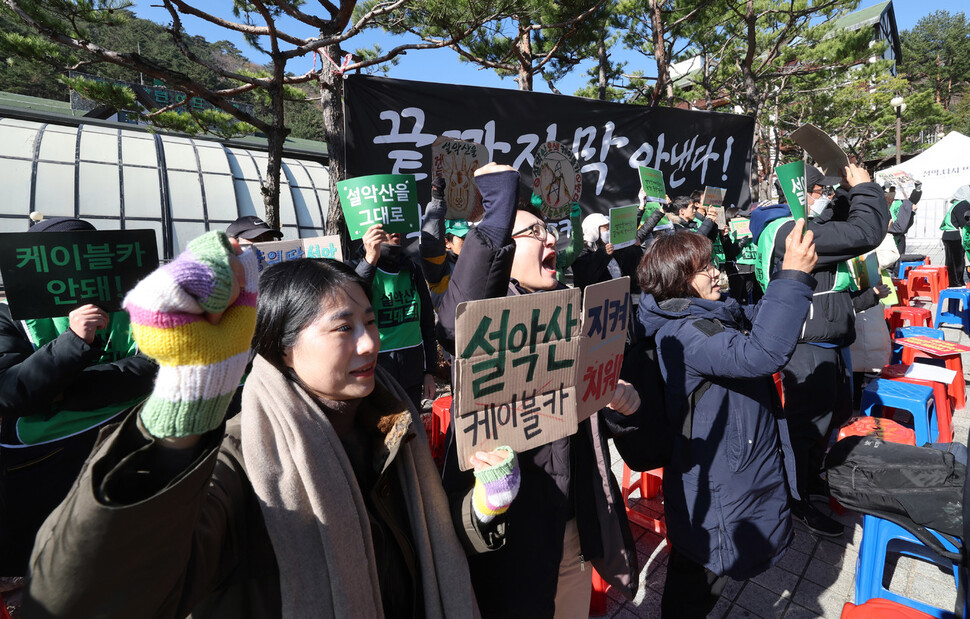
(495, 487)
(200, 364)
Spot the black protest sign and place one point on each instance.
(392, 124)
(47, 274)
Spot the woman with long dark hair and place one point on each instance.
(726, 503)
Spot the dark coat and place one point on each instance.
(729, 510)
(569, 478)
(196, 526)
(854, 224)
(592, 266)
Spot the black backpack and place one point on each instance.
(652, 443)
(918, 488)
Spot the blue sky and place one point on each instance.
(443, 65)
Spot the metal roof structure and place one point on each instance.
(121, 176)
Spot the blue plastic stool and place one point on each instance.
(906, 265)
(918, 400)
(945, 311)
(878, 538)
(897, 356)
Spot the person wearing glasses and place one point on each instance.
(568, 512)
(726, 501)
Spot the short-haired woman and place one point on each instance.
(726, 503)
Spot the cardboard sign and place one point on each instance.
(623, 226)
(713, 196)
(791, 177)
(740, 227)
(831, 159)
(530, 367)
(49, 274)
(389, 199)
(274, 252)
(556, 179)
(933, 346)
(456, 161)
(652, 183)
(605, 311)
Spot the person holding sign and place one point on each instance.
(726, 506)
(818, 397)
(956, 235)
(313, 501)
(61, 380)
(404, 313)
(569, 511)
(599, 262)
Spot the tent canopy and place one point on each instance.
(942, 167)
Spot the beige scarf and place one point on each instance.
(315, 513)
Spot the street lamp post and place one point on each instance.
(899, 106)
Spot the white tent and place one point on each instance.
(942, 168)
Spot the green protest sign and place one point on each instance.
(389, 199)
(652, 182)
(649, 209)
(623, 226)
(48, 274)
(274, 252)
(791, 177)
(740, 228)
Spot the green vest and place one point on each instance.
(36, 429)
(946, 225)
(398, 308)
(766, 246)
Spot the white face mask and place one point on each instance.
(605, 237)
(819, 205)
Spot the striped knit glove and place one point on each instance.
(495, 487)
(200, 363)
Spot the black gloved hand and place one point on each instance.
(438, 189)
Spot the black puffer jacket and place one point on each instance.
(856, 224)
(561, 480)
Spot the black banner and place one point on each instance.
(392, 123)
(48, 274)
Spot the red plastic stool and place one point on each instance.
(898, 315)
(925, 279)
(958, 388)
(878, 608)
(902, 291)
(944, 406)
(440, 418)
(648, 484)
(941, 271)
(597, 601)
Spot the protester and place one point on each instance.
(314, 501)
(903, 213)
(956, 236)
(404, 313)
(818, 395)
(599, 261)
(569, 511)
(440, 242)
(727, 509)
(61, 380)
(681, 213)
(250, 229)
